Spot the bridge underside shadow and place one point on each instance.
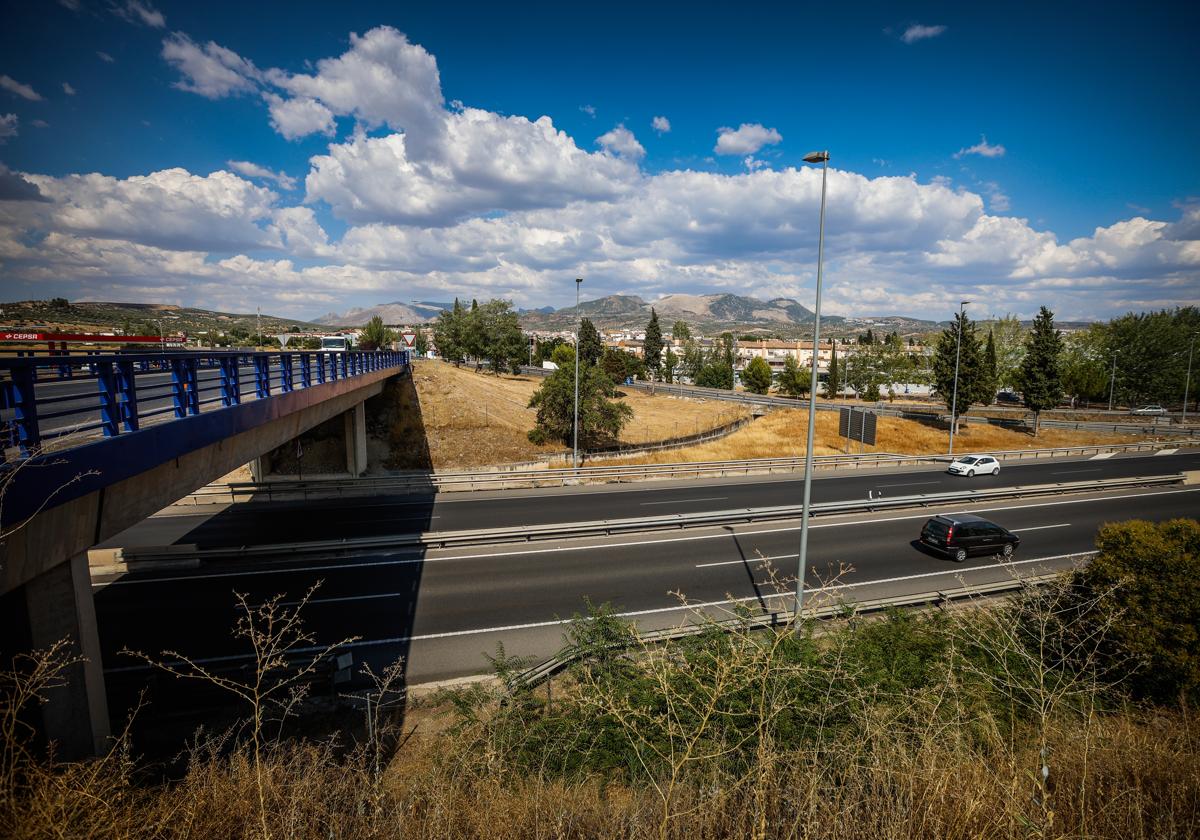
(58, 505)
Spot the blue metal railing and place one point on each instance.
(47, 397)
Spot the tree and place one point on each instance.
(680, 331)
(972, 383)
(652, 347)
(716, 369)
(1081, 366)
(670, 362)
(613, 364)
(1152, 354)
(59, 304)
(757, 376)
(473, 338)
(421, 343)
(590, 348)
(794, 380)
(601, 419)
(990, 372)
(1038, 376)
(498, 335)
(448, 334)
(375, 335)
(1153, 570)
(831, 380)
(1010, 348)
(544, 349)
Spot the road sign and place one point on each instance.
(857, 424)
(410, 338)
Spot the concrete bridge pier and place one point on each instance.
(356, 439)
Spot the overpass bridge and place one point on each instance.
(94, 444)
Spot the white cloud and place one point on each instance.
(621, 141)
(746, 139)
(254, 170)
(40, 124)
(105, 57)
(983, 149)
(383, 79)
(590, 110)
(918, 32)
(17, 89)
(8, 126)
(998, 201)
(661, 124)
(136, 11)
(68, 90)
(171, 209)
(300, 117)
(210, 70)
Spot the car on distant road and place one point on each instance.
(1008, 398)
(959, 535)
(969, 465)
(1154, 410)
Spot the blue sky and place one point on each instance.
(417, 168)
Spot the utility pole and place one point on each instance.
(1112, 382)
(1187, 382)
(575, 427)
(258, 328)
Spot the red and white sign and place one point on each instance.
(15, 335)
(410, 338)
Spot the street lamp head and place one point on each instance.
(816, 157)
(578, 280)
(963, 303)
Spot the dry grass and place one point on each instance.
(782, 433)
(475, 419)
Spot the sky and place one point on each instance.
(309, 157)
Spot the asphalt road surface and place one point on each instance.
(263, 523)
(441, 610)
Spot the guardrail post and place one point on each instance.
(345, 364)
(192, 384)
(25, 414)
(110, 408)
(305, 370)
(128, 387)
(321, 367)
(262, 376)
(285, 372)
(231, 386)
(179, 387)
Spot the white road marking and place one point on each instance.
(1166, 452)
(910, 484)
(1101, 456)
(1072, 472)
(632, 544)
(558, 622)
(1040, 527)
(685, 501)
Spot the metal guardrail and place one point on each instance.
(617, 474)
(783, 618)
(186, 382)
(606, 528)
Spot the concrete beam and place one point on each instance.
(356, 439)
(59, 606)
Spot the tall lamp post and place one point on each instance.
(575, 427)
(1187, 382)
(962, 307)
(823, 159)
(1112, 382)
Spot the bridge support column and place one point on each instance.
(258, 468)
(356, 439)
(59, 605)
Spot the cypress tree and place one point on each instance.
(990, 371)
(1038, 376)
(590, 348)
(652, 347)
(831, 381)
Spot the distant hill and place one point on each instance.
(140, 318)
(414, 312)
(706, 313)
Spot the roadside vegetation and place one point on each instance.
(1065, 711)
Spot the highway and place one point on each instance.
(440, 610)
(262, 523)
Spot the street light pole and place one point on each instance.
(823, 159)
(957, 354)
(1187, 382)
(575, 428)
(1112, 383)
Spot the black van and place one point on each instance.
(958, 535)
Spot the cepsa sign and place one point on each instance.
(13, 335)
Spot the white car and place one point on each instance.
(1151, 410)
(969, 465)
